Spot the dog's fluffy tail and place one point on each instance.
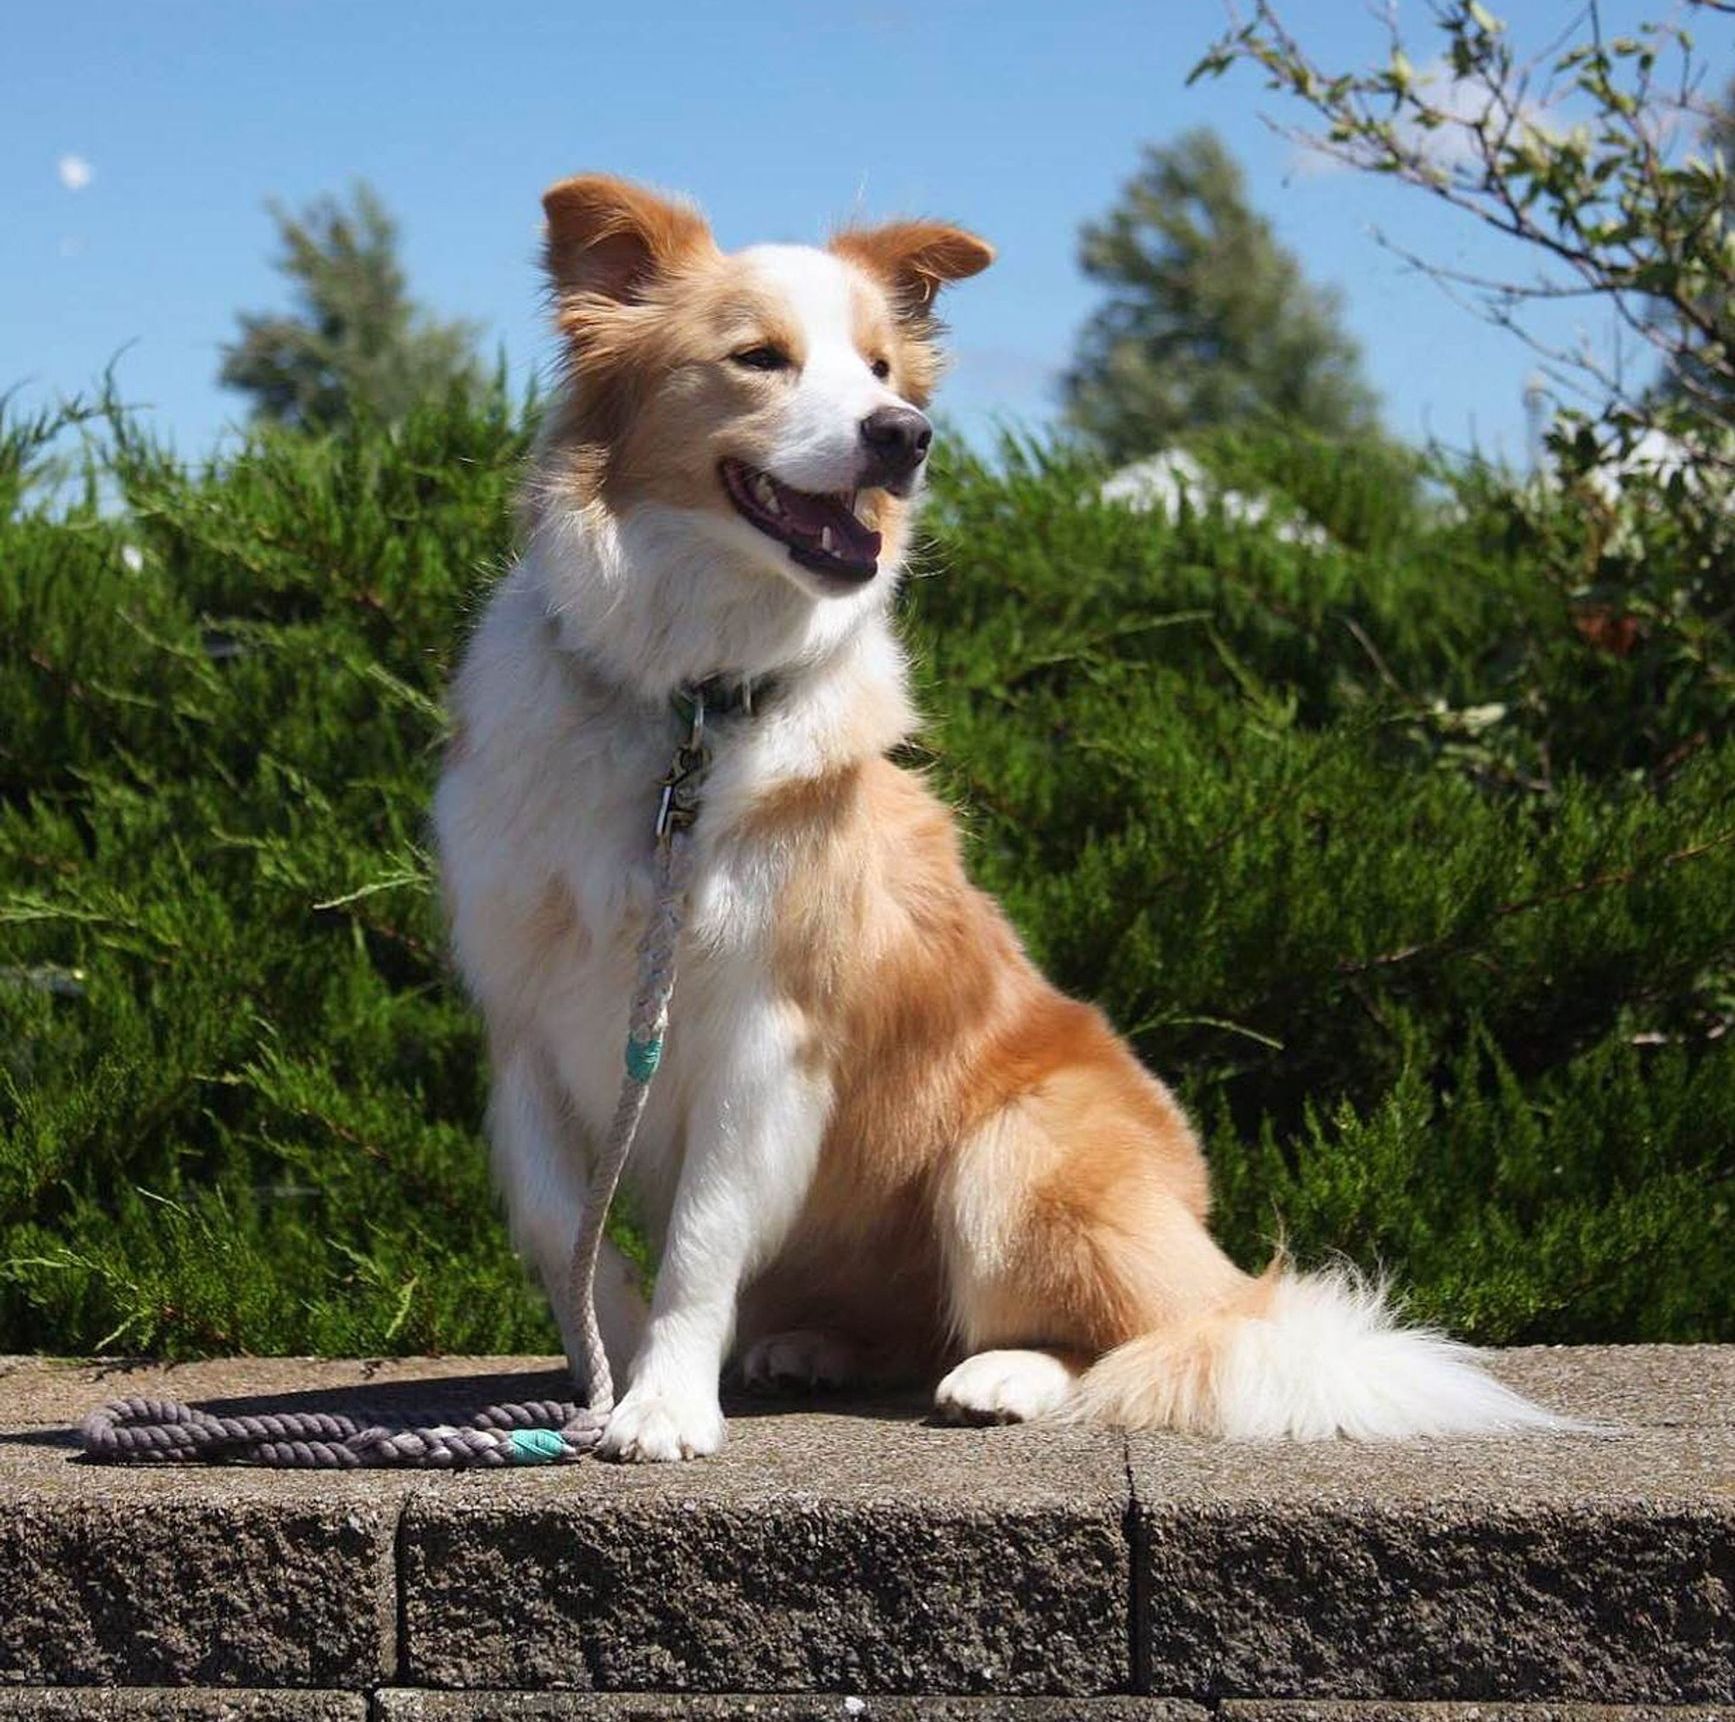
(1305, 1357)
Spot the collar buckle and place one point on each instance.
(678, 805)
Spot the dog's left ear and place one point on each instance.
(611, 238)
(914, 258)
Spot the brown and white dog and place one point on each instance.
(880, 1145)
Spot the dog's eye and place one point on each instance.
(764, 358)
(882, 368)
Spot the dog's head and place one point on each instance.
(773, 395)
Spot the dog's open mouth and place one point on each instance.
(822, 532)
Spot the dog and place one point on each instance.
(880, 1147)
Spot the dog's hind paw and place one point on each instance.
(801, 1358)
(1004, 1387)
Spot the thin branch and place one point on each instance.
(1598, 882)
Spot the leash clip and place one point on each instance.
(678, 806)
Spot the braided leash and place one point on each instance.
(538, 1432)
(162, 1431)
(646, 1028)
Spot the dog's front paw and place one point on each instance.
(652, 1428)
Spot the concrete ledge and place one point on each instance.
(852, 1550)
(177, 1704)
(1580, 1568)
(1239, 1710)
(826, 1552)
(417, 1706)
(164, 1579)
(184, 1704)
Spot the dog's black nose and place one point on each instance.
(896, 439)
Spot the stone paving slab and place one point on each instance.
(1583, 1567)
(1632, 1386)
(174, 1577)
(122, 1575)
(1288, 1710)
(176, 1704)
(421, 1706)
(853, 1549)
(824, 1551)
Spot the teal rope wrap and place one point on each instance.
(643, 1057)
(538, 1447)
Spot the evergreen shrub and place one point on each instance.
(1409, 859)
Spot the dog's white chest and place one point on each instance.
(547, 832)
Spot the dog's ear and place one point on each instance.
(610, 238)
(915, 259)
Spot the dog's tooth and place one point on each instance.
(766, 493)
(825, 540)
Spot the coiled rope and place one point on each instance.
(140, 1430)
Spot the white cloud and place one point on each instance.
(75, 172)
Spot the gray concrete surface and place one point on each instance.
(184, 1704)
(421, 1706)
(825, 1551)
(1586, 1566)
(139, 1576)
(177, 1704)
(1282, 1710)
(854, 1550)
(1604, 1568)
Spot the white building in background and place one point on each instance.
(1171, 481)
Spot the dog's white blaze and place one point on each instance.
(819, 446)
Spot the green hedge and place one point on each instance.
(1410, 860)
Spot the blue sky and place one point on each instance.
(1018, 119)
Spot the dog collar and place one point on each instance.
(723, 695)
(694, 704)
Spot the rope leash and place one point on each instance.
(139, 1430)
(646, 1028)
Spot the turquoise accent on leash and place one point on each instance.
(643, 1057)
(537, 1446)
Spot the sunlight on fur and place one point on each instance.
(1325, 1358)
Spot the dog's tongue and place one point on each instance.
(811, 515)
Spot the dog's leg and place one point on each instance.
(752, 1143)
(1065, 1233)
(540, 1172)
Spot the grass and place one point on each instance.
(1410, 860)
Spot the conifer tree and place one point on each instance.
(355, 341)
(1209, 320)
